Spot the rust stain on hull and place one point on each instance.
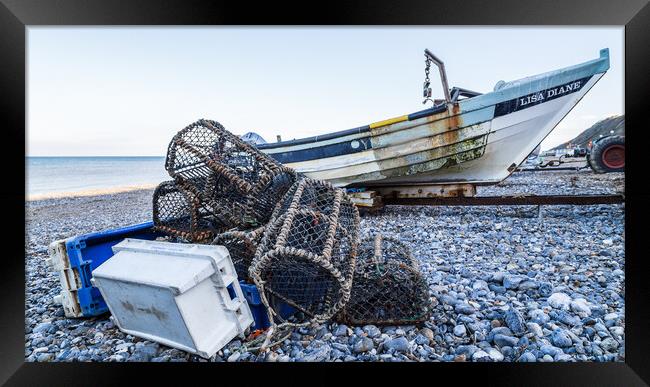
(446, 149)
(459, 153)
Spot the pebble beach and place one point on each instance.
(506, 283)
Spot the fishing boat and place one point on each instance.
(467, 139)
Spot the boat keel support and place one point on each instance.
(427, 191)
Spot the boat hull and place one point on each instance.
(480, 140)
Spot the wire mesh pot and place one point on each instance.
(387, 288)
(239, 184)
(177, 211)
(307, 254)
(242, 246)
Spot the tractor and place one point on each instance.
(607, 154)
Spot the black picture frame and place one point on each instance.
(16, 15)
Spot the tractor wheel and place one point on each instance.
(608, 155)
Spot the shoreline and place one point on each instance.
(88, 192)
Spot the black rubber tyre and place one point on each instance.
(608, 155)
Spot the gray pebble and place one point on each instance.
(460, 330)
(42, 327)
(559, 300)
(560, 338)
(503, 340)
(399, 344)
(364, 345)
(467, 350)
(527, 357)
(372, 331)
(464, 308)
(341, 330)
(609, 344)
(515, 321)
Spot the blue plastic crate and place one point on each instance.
(86, 252)
(255, 304)
(258, 309)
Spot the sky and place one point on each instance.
(125, 91)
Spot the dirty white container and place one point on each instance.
(175, 294)
(69, 278)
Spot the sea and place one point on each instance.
(52, 177)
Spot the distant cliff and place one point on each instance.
(615, 123)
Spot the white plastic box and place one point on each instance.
(174, 294)
(69, 278)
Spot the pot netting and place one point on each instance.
(239, 184)
(178, 212)
(387, 287)
(306, 256)
(242, 246)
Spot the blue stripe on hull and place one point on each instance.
(427, 112)
(323, 137)
(526, 101)
(321, 152)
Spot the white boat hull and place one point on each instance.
(478, 140)
(509, 142)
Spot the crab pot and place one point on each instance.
(242, 246)
(240, 184)
(387, 288)
(307, 254)
(178, 212)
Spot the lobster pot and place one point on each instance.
(242, 246)
(238, 183)
(307, 254)
(178, 212)
(387, 288)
